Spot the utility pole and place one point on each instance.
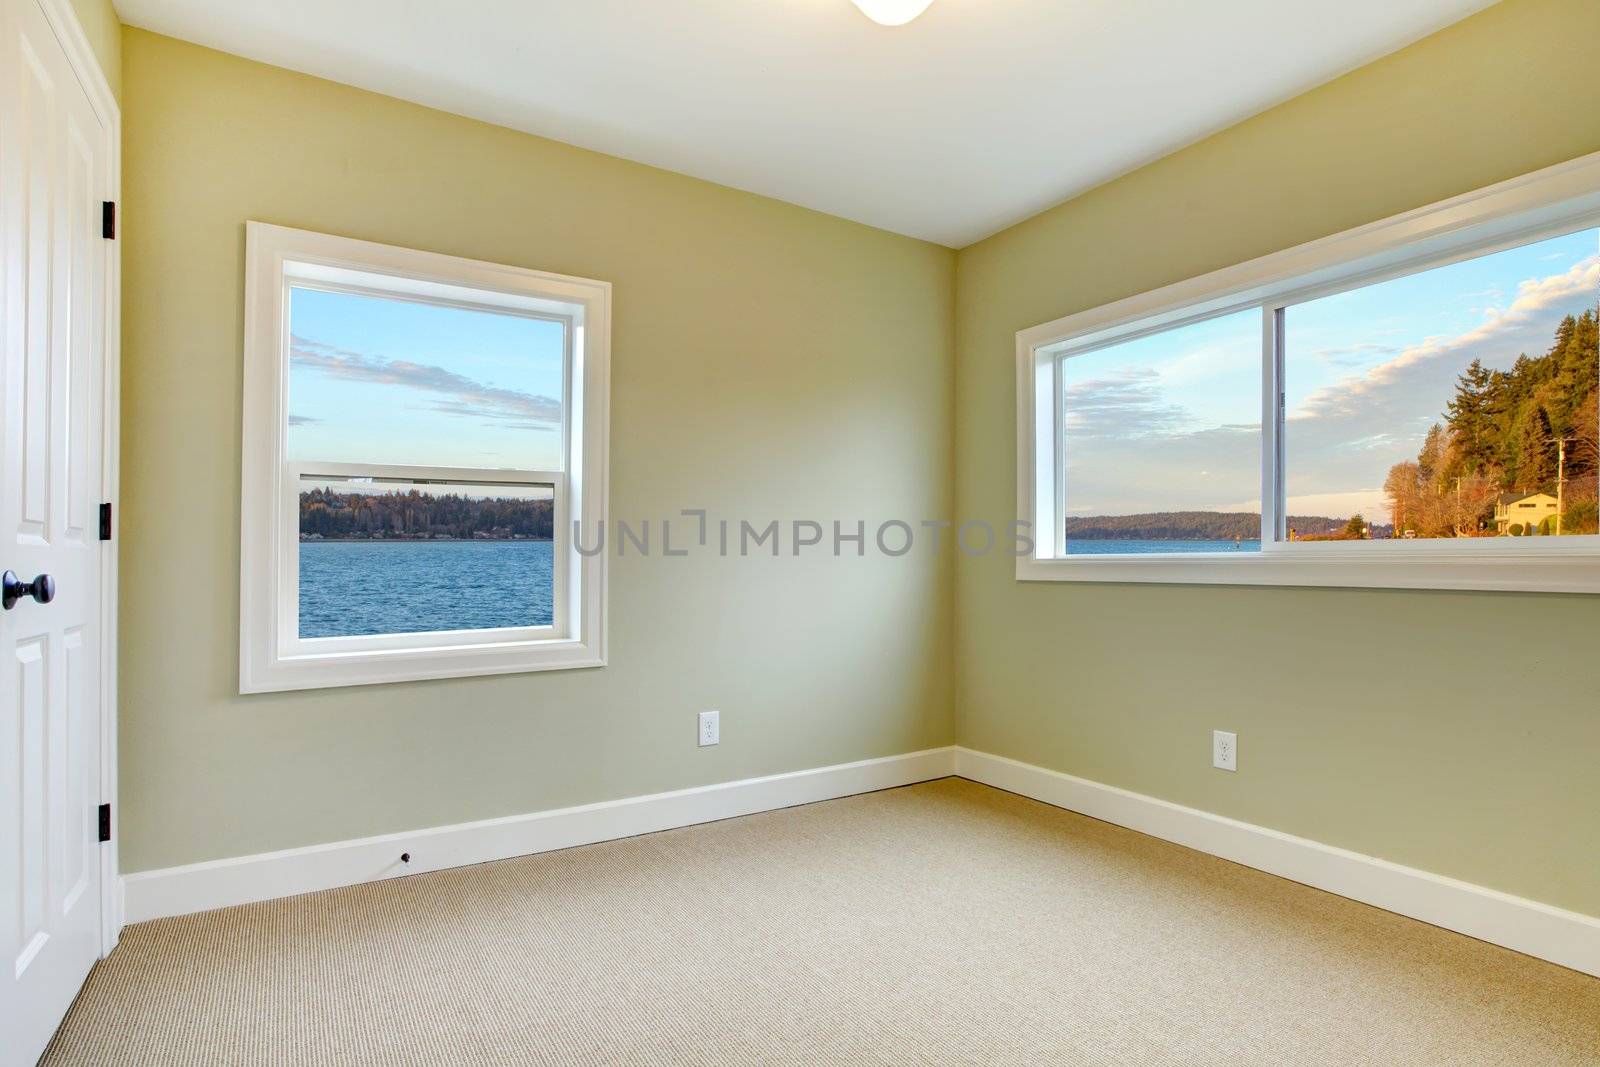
(1561, 479)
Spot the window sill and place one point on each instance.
(330, 669)
(1389, 566)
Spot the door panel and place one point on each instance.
(79, 743)
(33, 855)
(30, 470)
(77, 318)
(53, 168)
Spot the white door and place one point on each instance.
(53, 173)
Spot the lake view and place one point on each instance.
(1097, 546)
(387, 587)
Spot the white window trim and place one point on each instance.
(272, 657)
(1549, 202)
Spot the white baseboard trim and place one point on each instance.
(1564, 937)
(244, 879)
(1568, 938)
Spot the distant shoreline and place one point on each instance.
(425, 540)
(1203, 526)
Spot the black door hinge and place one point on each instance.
(105, 522)
(108, 219)
(105, 822)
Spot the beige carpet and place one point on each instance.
(941, 923)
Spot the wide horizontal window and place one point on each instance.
(1410, 404)
(421, 431)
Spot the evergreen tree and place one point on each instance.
(1431, 460)
(1536, 451)
(1469, 418)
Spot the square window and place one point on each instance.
(421, 434)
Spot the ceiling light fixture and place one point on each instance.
(892, 12)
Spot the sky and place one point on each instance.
(1172, 422)
(378, 380)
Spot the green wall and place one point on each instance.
(1454, 732)
(767, 362)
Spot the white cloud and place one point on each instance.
(1523, 326)
(456, 393)
(1120, 406)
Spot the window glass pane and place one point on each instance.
(380, 380)
(1460, 401)
(385, 558)
(1162, 441)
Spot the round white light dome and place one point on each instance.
(892, 12)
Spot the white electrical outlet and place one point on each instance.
(1225, 750)
(710, 728)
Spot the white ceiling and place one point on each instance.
(973, 117)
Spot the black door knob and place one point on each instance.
(13, 589)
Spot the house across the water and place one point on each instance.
(1522, 509)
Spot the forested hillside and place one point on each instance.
(1196, 526)
(415, 515)
(1507, 432)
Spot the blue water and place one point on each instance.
(396, 587)
(1092, 547)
